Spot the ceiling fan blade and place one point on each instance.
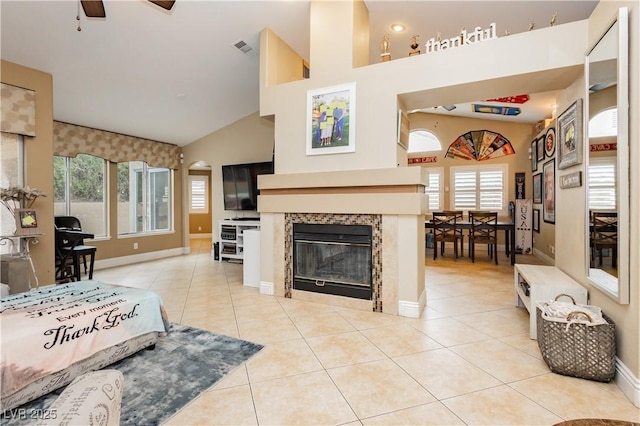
(163, 4)
(93, 8)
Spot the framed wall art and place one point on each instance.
(537, 188)
(569, 130)
(540, 149)
(549, 202)
(331, 120)
(403, 129)
(534, 155)
(550, 142)
(520, 186)
(536, 220)
(26, 222)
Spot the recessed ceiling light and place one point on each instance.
(398, 27)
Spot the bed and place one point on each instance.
(53, 334)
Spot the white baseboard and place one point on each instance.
(412, 309)
(628, 383)
(546, 259)
(200, 236)
(142, 257)
(266, 288)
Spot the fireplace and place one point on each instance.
(333, 259)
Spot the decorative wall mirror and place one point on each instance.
(607, 165)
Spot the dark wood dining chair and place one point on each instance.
(445, 230)
(604, 235)
(75, 250)
(484, 230)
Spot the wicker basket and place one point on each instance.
(579, 350)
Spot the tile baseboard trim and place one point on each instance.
(142, 257)
(266, 288)
(627, 382)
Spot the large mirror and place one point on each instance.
(607, 165)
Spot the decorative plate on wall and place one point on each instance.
(550, 142)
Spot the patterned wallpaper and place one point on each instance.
(18, 110)
(70, 140)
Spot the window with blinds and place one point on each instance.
(199, 203)
(479, 188)
(602, 184)
(434, 189)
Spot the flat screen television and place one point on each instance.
(240, 184)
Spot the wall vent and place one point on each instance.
(243, 47)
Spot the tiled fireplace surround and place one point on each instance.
(375, 221)
(392, 201)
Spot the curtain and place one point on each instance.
(18, 110)
(70, 140)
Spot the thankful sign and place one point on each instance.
(465, 38)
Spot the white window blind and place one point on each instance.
(434, 189)
(198, 195)
(479, 188)
(602, 184)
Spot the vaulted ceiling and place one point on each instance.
(176, 76)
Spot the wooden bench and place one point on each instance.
(543, 283)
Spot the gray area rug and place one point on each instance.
(159, 382)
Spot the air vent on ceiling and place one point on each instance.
(243, 47)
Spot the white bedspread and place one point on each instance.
(46, 330)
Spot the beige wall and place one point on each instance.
(248, 140)
(39, 161)
(448, 129)
(572, 232)
(445, 78)
(39, 173)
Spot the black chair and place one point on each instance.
(604, 235)
(70, 250)
(484, 230)
(445, 230)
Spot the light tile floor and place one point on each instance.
(468, 360)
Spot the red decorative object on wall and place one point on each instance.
(420, 160)
(518, 99)
(603, 147)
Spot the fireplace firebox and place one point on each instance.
(333, 259)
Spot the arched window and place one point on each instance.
(423, 141)
(604, 123)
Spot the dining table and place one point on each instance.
(508, 226)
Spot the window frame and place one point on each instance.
(411, 149)
(68, 211)
(201, 178)
(144, 182)
(478, 169)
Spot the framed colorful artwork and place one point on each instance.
(534, 155)
(331, 120)
(26, 222)
(537, 188)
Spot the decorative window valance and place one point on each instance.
(70, 140)
(18, 110)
